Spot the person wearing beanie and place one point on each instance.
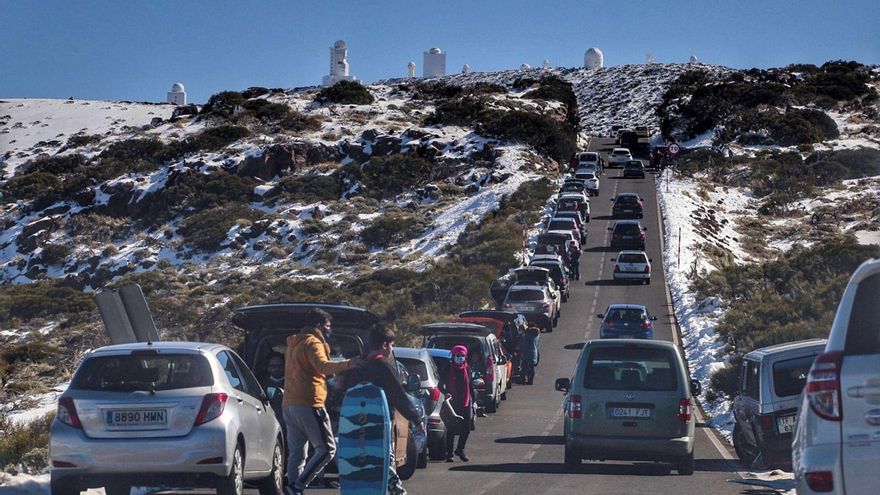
(460, 389)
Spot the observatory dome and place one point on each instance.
(435, 50)
(594, 59)
(339, 44)
(177, 88)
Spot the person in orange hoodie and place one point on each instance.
(305, 390)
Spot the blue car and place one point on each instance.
(626, 321)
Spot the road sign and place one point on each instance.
(673, 149)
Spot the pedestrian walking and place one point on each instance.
(377, 369)
(305, 372)
(574, 262)
(530, 353)
(459, 388)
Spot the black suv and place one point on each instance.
(628, 234)
(634, 168)
(627, 205)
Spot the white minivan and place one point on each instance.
(836, 447)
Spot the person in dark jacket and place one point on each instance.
(529, 351)
(574, 262)
(378, 370)
(459, 387)
(273, 384)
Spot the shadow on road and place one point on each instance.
(534, 440)
(602, 282)
(600, 468)
(603, 217)
(600, 249)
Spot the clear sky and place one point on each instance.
(135, 49)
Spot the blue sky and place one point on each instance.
(135, 50)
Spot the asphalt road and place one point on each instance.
(519, 449)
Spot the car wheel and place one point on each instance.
(572, 461)
(548, 328)
(437, 449)
(62, 486)
(741, 446)
(233, 483)
(406, 471)
(117, 489)
(423, 459)
(647, 281)
(491, 406)
(504, 395)
(685, 466)
(556, 320)
(274, 483)
(564, 297)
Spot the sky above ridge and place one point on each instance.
(130, 50)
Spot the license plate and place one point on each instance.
(627, 211)
(628, 237)
(786, 424)
(136, 417)
(629, 412)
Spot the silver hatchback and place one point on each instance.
(165, 413)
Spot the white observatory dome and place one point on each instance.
(435, 50)
(339, 44)
(525, 67)
(411, 65)
(466, 69)
(177, 88)
(694, 59)
(594, 59)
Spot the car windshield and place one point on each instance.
(526, 295)
(627, 199)
(416, 366)
(627, 368)
(620, 152)
(625, 314)
(126, 373)
(790, 376)
(561, 225)
(631, 258)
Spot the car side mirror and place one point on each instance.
(612, 200)
(563, 384)
(600, 316)
(696, 388)
(609, 228)
(613, 259)
(653, 318)
(650, 260)
(644, 229)
(413, 383)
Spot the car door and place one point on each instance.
(265, 416)
(248, 415)
(860, 391)
(747, 403)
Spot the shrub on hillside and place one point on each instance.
(53, 254)
(78, 140)
(393, 228)
(345, 93)
(463, 112)
(223, 104)
(307, 188)
(297, 122)
(791, 298)
(194, 191)
(386, 177)
(206, 230)
(266, 111)
(545, 134)
(553, 88)
(32, 186)
(57, 165)
(41, 299)
(20, 440)
(213, 139)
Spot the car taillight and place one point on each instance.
(767, 423)
(212, 407)
(67, 412)
(646, 325)
(642, 235)
(435, 421)
(507, 306)
(574, 407)
(820, 481)
(490, 370)
(564, 280)
(616, 268)
(434, 393)
(647, 269)
(684, 410)
(823, 386)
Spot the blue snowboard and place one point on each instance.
(364, 441)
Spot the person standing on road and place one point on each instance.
(574, 262)
(306, 368)
(460, 389)
(378, 371)
(530, 353)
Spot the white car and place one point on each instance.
(619, 157)
(632, 265)
(836, 447)
(165, 414)
(589, 159)
(589, 178)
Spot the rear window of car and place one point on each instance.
(620, 152)
(625, 314)
(585, 176)
(561, 225)
(629, 368)
(626, 228)
(631, 258)
(125, 373)
(526, 295)
(588, 157)
(416, 366)
(555, 270)
(790, 375)
(634, 165)
(863, 333)
(627, 199)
